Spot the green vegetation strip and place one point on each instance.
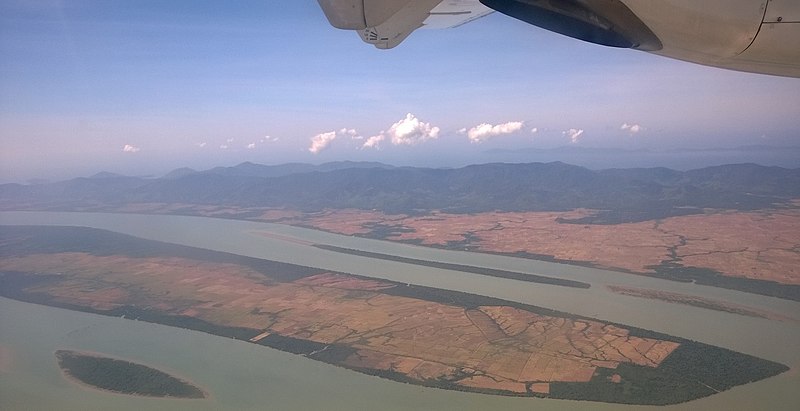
(491, 272)
(124, 377)
(694, 301)
(670, 270)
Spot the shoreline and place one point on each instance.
(19, 281)
(665, 270)
(699, 302)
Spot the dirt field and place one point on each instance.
(499, 348)
(761, 245)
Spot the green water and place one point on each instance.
(245, 376)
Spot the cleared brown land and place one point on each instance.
(497, 348)
(761, 245)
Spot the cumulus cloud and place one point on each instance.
(227, 144)
(251, 146)
(632, 128)
(321, 141)
(408, 131)
(267, 139)
(374, 141)
(349, 132)
(485, 131)
(411, 131)
(574, 134)
(201, 145)
(534, 130)
(130, 149)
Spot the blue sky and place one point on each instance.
(143, 87)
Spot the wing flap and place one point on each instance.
(386, 23)
(453, 13)
(399, 25)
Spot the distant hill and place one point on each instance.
(679, 159)
(179, 172)
(106, 174)
(248, 169)
(626, 194)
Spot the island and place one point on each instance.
(752, 251)
(732, 226)
(414, 334)
(695, 301)
(123, 377)
(490, 272)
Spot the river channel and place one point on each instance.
(240, 375)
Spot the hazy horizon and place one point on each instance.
(146, 87)
(591, 158)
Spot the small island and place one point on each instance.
(124, 377)
(695, 301)
(404, 332)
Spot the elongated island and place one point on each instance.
(414, 334)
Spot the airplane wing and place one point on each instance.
(453, 13)
(386, 23)
(761, 36)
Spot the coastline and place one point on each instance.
(73, 308)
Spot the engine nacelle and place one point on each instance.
(360, 14)
(382, 23)
(761, 36)
(605, 22)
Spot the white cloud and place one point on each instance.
(632, 128)
(201, 145)
(321, 141)
(485, 131)
(130, 149)
(573, 134)
(374, 141)
(408, 131)
(223, 146)
(268, 139)
(251, 146)
(228, 141)
(534, 130)
(349, 132)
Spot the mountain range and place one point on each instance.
(634, 194)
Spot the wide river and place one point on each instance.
(241, 375)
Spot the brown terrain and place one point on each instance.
(763, 245)
(491, 347)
